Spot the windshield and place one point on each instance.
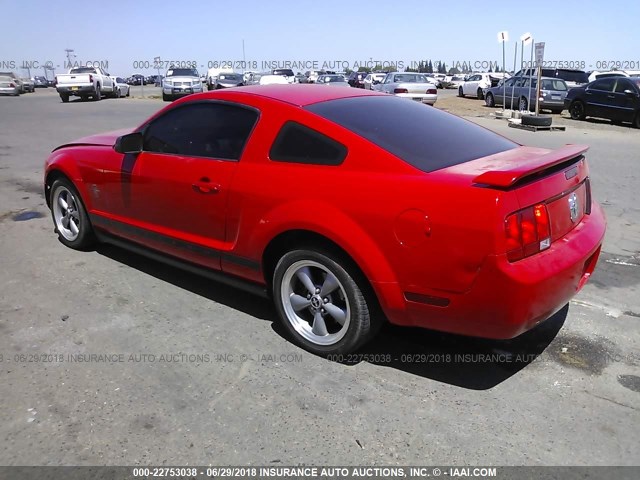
(183, 72)
(335, 78)
(427, 138)
(283, 71)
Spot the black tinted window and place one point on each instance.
(623, 85)
(212, 130)
(423, 136)
(576, 76)
(299, 144)
(605, 84)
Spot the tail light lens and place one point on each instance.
(527, 231)
(91, 78)
(400, 90)
(12, 85)
(432, 91)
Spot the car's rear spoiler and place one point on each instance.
(509, 176)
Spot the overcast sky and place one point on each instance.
(340, 31)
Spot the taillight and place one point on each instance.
(12, 85)
(90, 78)
(527, 231)
(400, 90)
(432, 91)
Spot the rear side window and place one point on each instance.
(605, 84)
(423, 136)
(296, 143)
(554, 85)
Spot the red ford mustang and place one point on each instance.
(348, 207)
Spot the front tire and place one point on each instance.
(460, 92)
(523, 105)
(70, 216)
(320, 304)
(165, 97)
(480, 94)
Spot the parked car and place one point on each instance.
(519, 96)
(16, 79)
(137, 79)
(52, 82)
(372, 79)
(301, 78)
(614, 73)
(272, 80)
(85, 82)
(28, 85)
(122, 87)
(332, 81)
(356, 79)
(179, 82)
(572, 78)
(284, 72)
(481, 237)
(313, 75)
(477, 83)
(40, 82)
(415, 86)
(614, 98)
(456, 81)
(212, 75)
(227, 80)
(8, 86)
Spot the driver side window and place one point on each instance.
(213, 130)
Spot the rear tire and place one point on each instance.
(636, 121)
(460, 92)
(320, 304)
(523, 105)
(576, 110)
(480, 94)
(489, 100)
(64, 97)
(97, 95)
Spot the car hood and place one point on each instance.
(106, 139)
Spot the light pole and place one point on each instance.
(503, 37)
(525, 39)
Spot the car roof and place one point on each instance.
(297, 94)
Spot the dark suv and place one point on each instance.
(572, 78)
(356, 79)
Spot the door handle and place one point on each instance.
(204, 185)
(611, 96)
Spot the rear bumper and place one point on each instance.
(84, 89)
(507, 299)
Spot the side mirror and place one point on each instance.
(629, 92)
(130, 143)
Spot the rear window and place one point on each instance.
(83, 70)
(576, 76)
(423, 136)
(554, 85)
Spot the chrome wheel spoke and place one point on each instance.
(338, 314)
(62, 203)
(319, 327)
(329, 285)
(73, 227)
(298, 302)
(304, 275)
(65, 221)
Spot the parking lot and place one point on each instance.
(108, 358)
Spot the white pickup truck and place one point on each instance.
(85, 82)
